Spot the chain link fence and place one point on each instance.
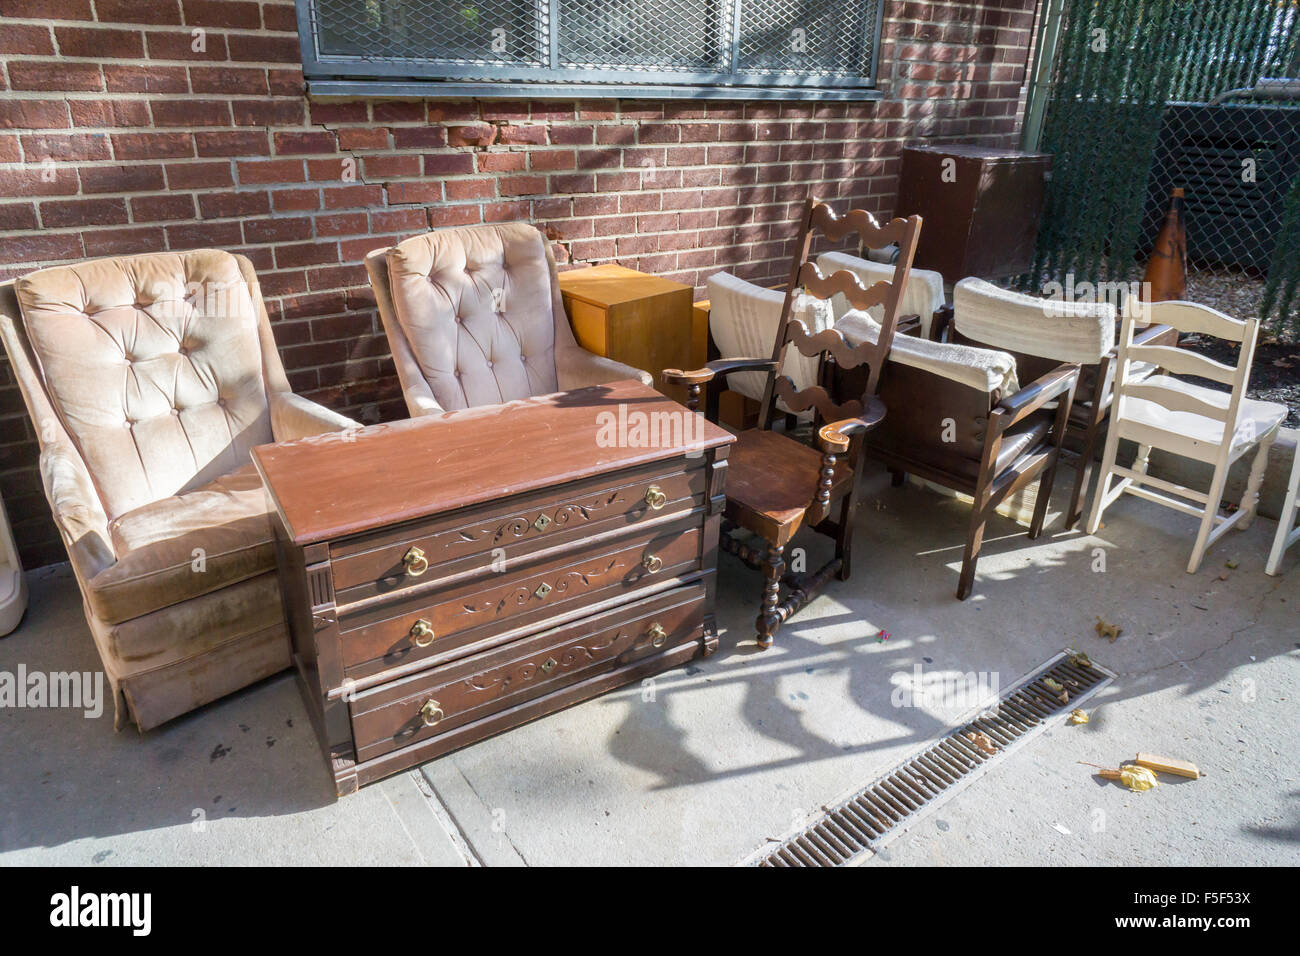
(1149, 95)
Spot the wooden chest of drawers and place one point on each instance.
(449, 577)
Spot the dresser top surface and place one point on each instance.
(344, 483)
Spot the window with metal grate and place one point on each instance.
(711, 48)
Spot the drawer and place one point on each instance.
(433, 702)
(443, 619)
(400, 558)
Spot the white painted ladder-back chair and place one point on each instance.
(1190, 420)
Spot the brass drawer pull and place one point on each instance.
(431, 712)
(655, 497)
(658, 636)
(652, 563)
(421, 633)
(415, 561)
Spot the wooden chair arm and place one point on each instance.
(1016, 408)
(835, 437)
(701, 376)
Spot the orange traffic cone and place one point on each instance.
(1166, 275)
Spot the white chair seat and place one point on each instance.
(1254, 418)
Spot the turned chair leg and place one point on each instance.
(1250, 500)
(769, 620)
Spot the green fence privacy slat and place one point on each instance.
(1119, 64)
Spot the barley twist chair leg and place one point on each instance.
(769, 618)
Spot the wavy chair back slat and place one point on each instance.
(819, 217)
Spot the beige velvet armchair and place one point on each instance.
(474, 317)
(149, 378)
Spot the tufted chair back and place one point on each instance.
(474, 315)
(158, 367)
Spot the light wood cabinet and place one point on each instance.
(641, 320)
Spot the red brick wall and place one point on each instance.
(117, 137)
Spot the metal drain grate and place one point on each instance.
(866, 820)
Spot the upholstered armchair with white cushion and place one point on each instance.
(923, 296)
(149, 378)
(960, 417)
(1044, 333)
(744, 319)
(474, 317)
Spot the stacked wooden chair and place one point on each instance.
(775, 484)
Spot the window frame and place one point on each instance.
(338, 75)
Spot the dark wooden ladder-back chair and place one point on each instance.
(775, 483)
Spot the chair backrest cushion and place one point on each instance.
(477, 308)
(1048, 328)
(744, 320)
(155, 367)
(922, 296)
(986, 370)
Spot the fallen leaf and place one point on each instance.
(1107, 630)
(1054, 685)
(983, 741)
(1230, 564)
(1080, 660)
(1077, 716)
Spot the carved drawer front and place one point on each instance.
(452, 544)
(427, 704)
(435, 620)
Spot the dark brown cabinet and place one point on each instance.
(981, 208)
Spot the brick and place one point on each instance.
(343, 224)
(115, 113)
(199, 175)
(387, 167)
(121, 178)
(190, 113)
(33, 114)
(171, 145)
(419, 137)
(272, 171)
(26, 40)
(251, 48)
(277, 229)
(17, 215)
(204, 235)
(38, 147)
(46, 10)
(297, 144)
(233, 204)
(477, 134)
(41, 247)
(162, 208)
(228, 79)
(63, 213)
(448, 164)
(99, 43)
(306, 254)
(55, 76)
(121, 78)
(522, 135)
(138, 11)
(180, 45)
(358, 138)
(236, 14)
(421, 192)
(232, 143)
(398, 112)
(123, 242)
(264, 112)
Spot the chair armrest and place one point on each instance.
(77, 510)
(702, 376)
(1016, 408)
(293, 416)
(835, 437)
(578, 368)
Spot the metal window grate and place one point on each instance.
(617, 47)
